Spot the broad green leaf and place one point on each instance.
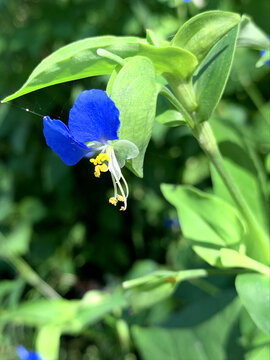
(199, 332)
(254, 293)
(246, 171)
(171, 118)
(203, 31)
(251, 35)
(212, 75)
(79, 60)
(232, 258)
(48, 335)
(206, 220)
(134, 92)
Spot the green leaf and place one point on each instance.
(171, 118)
(147, 290)
(202, 32)
(232, 258)
(202, 331)
(251, 35)
(206, 220)
(79, 60)
(245, 168)
(48, 335)
(134, 92)
(254, 293)
(212, 75)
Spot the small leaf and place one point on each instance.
(202, 32)
(232, 258)
(206, 220)
(251, 35)
(134, 92)
(212, 75)
(80, 60)
(48, 335)
(171, 118)
(254, 293)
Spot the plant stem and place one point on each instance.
(184, 91)
(31, 276)
(206, 139)
(176, 103)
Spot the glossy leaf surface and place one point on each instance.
(79, 60)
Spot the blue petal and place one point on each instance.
(27, 355)
(22, 352)
(267, 62)
(94, 117)
(60, 140)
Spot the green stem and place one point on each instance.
(176, 103)
(31, 276)
(206, 139)
(184, 91)
(199, 273)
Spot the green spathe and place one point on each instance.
(199, 34)
(134, 92)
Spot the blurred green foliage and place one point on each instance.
(57, 217)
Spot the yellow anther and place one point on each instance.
(122, 208)
(103, 157)
(113, 201)
(97, 171)
(103, 167)
(94, 161)
(120, 197)
(99, 165)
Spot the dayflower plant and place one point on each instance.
(92, 129)
(27, 355)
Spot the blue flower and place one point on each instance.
(27, 355)
(93, 126)
(263, 52)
